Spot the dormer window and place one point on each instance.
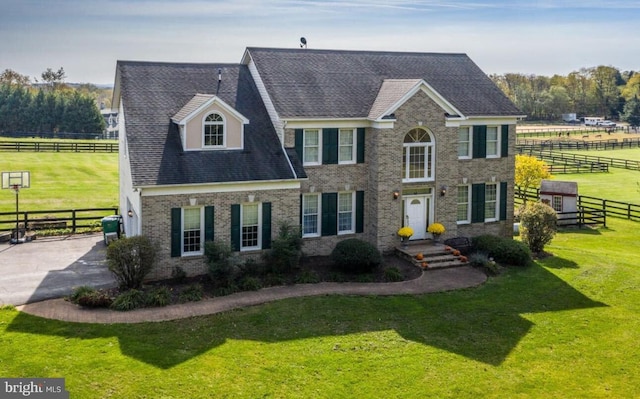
(213, 131)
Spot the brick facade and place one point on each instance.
(157, 223)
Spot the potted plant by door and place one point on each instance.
(436, 229)
(405, 233)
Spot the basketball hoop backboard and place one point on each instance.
(13, 180)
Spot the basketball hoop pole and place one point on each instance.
(16, 188)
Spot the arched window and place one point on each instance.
(213, 134)
(418, 156)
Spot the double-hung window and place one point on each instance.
(464, 142)
(346, 146)
(491, 202)
(493, 142)
(312, 145)
(311, 215)
(346, 214)
(250, 228)
(557, 203)
(464, 204)
(192, 234)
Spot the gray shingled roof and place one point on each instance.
(307, 83)
(391, 91)
(154, 92)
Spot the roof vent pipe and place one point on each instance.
(219, 75)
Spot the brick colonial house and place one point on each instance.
(343, 143)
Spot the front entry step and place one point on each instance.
(436, 255)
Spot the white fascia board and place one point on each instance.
(209, 188)
(429, 91)
(482, 120)
(208, 103)
(115, 97)
(302, 123)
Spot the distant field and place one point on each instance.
(62, 180)
(618, 185)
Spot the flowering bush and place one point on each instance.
(436, 228)
(405, 232)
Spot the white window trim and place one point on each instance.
(469, 141)
(553, 203)
(224, 131)
(259, 246)
(182, 219)
(468, 219)
(498, 141)
(497, 204)
(354, 135)
(353, 213)
(319, 222)
(426, 162)
(304, 147)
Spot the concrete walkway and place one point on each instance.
(430, 281)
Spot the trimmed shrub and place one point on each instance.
(130, 260)
(192, 293)
(178, 274)
(286, 249)
(392, 274)
(249, 283)
(129, 300)
(223, 263)
(356, 256)
(481, 260)
(538, 223)
(158, 297)
(94, 299)
(503, 250)
(308, 277)
(80, 292)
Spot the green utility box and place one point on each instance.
(111, 228)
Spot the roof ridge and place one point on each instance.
(344, 51)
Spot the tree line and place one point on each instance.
(598, 91)
(48, 107)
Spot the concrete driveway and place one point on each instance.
(51, 267)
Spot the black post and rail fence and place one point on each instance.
(66, 219)
(591, 210)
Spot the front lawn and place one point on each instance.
(567, 327)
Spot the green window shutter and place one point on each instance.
(329, 214)
(208, 223)
(176, 229)
(503, 200)
(477, 203)
(479, 141)
(299, 143)
(360, 146)
(329, 146)
(359, 211)
(266, 225)
(235, 227)
(504, 137)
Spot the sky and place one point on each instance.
(541, 37)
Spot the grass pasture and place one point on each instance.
(618, 184)
(566, 327)
(61, 180)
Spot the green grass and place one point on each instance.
(618, 184)
(62, 180)
(567, 327)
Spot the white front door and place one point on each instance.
(417, 209)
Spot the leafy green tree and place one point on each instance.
(631, 113)
(538, 223)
